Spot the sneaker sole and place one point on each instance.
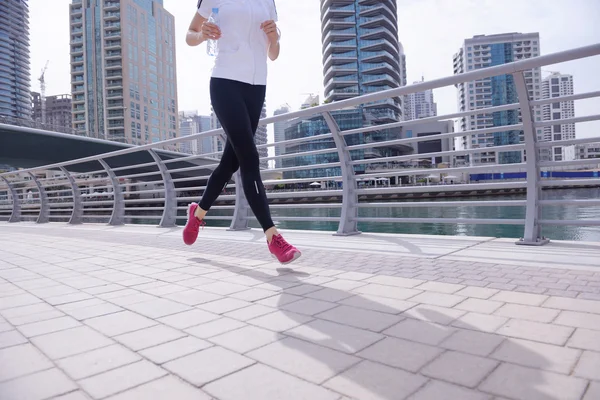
(296, 256)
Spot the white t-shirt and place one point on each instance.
(243, 46)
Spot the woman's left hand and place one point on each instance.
(270, 29)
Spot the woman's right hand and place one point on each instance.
(210, 31)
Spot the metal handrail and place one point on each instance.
(343, 158)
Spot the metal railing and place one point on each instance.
(160, 188)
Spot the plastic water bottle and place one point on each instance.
(212, 47)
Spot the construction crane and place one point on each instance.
(43, 91)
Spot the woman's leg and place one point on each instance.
(236, 105)
(218, 180)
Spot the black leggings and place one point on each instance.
(238, 106)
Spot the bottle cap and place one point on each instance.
(215, 10)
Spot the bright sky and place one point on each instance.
(430, 30)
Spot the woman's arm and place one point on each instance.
(201, 30)
(272, 32)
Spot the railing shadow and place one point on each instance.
(388, 348)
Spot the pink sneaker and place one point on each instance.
(190, 232)
(282, 250)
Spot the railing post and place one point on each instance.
(242, 208)
(240, 213)
(169, 216)
(348, 224)
(77, 204)
(44, 215)
(15, 215)
(118, 214)
(533, 231)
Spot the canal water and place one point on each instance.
(506, 231)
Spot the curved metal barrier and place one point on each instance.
(158, 191)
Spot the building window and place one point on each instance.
(557, 136)
(554, 81)
(557, 128)
(555, 89)
(557, 151)
(555, 105)
(556, 115)
(564, 79)
(409, 134)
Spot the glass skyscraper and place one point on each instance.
(15, 77)
(123, 70)
(362, 54)
(484, 51)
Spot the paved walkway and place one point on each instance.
(95, 312)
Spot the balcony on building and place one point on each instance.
(339, 11)
(112, 25)
(114, 104)
(378, 56)
(378, 21)
(111, 5)
(80, 98)
(112, 94)
(113, 55)
(79, 109)
(115, 84)
(343, 69)
(339, 23)
(340, 58)
(112, 15)
(339, 34)
(376, 9)
(339, 46)
(77, 21)
(112, 45)
(76, 50)
(113, 64)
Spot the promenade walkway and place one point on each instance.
(122, 313)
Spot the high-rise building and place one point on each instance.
(556, 85)
(419, 105)
(123, 70)
(261, 139)
(15, 97)
(484, 51)
(58, 111)
(279, 133)
(362, 54)
(191, 123)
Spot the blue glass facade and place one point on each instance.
(15, 96)
(504, 92)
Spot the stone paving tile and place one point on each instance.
(168, 387)
(119, 323)
(537, 355)
(192, 297)
(302, 359)
(378, 303)
(149, 337)
(21, 360)
(78, 395)
(11, 338)
(437, 299)
(400, 353)
(265, 383)
(120, 379)
(435, 314)
(481, 322)
(585, 339)
(188, 319)
(479, 305)
(215, 327)
(360, 318)
(208, 365)
(536, 331)
(335, 336)
(372, 381)
(588, 366)
(71, 341)
(177, 348)
(579, 320)
(531, 313)
(523, 383)
(245, 339)
(588, 306)
(157, 308)
(420, 331)
(460, 368)
(593, 391)
(473, 342)
(280, 321)
(37, 386)
(436, 390)
(97, 361)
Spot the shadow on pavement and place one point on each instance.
(371, 348)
